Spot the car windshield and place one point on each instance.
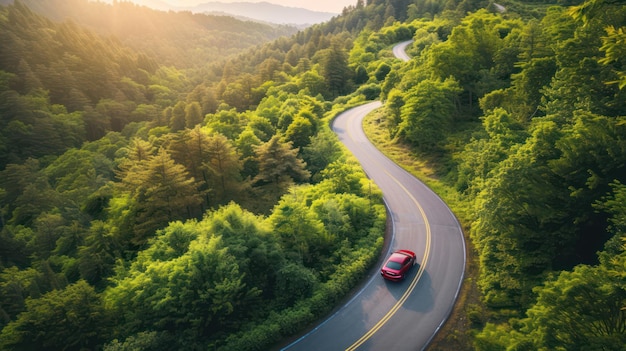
(393, 265)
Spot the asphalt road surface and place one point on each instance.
(400, 52)
(396, 316)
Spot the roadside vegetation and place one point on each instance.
(204, 202)
(518, 124)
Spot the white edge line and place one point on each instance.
(374, 276)
(458, 288)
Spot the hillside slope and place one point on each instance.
(167, 36)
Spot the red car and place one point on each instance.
(398, 264)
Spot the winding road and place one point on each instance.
(406, 315)
(399, 50)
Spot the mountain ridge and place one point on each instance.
(258, 11)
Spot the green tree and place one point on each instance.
(279, 164)
(579, 310)
(592, 152)
(294, 282)
(177, 121)
(482, 154)
(223, 168)
(536, 75)
(313, 82)
(160, 191)
(240, 94)
(246, 143)
(322, 151)
(582, 309)
(393, 109)
(227, 122)
(145, 112)
(166, 193)
(343, 177)
(518, 239)
(26, 118)
(15, 179)
(79, 173)
(118, 113)
(303, 235)
(193, 114)
(428, 112)
(48, 229)
(300, 131)
(137, 154)
(16, 286)
(613, 43)
(70, 319)
(194, 294)
(382, 71)
(36, 198)
(190, 148)
(249, 239)
(391, 80)
(468, 54)
(97, 256)
(140, 341)
(262, 127)
(335, 69)
(360, 75)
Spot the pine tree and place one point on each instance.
(166, 193)
(335, 69)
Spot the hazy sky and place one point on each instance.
(334, 6)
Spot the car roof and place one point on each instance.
(398, 256)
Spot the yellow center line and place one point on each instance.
(413, 283)
(411, 287)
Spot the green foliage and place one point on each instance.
(194, 292)
(249, 240)
(353, 266)
(279, 165)
(580, 310)
(541, 175)
(158, 189)
(140, 341)
(537, 236)
(321, 151)
(294, 282)
(121, 223)
(72, 318)
(370, 91)
(302, 234)
(300, 130)
(249, 259)
(428, 110)
(382, 71)
(335, 69)
(127, 199)
(482, 154)
(145, 30)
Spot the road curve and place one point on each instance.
(405, 315)
(399, 50)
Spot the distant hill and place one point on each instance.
(168, 36)
(267, 12)
(262, 11)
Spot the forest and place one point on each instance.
(159, 193)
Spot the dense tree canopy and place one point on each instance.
(196, 198)
(535, 165)
(149, 212)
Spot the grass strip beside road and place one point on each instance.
(456, 334)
